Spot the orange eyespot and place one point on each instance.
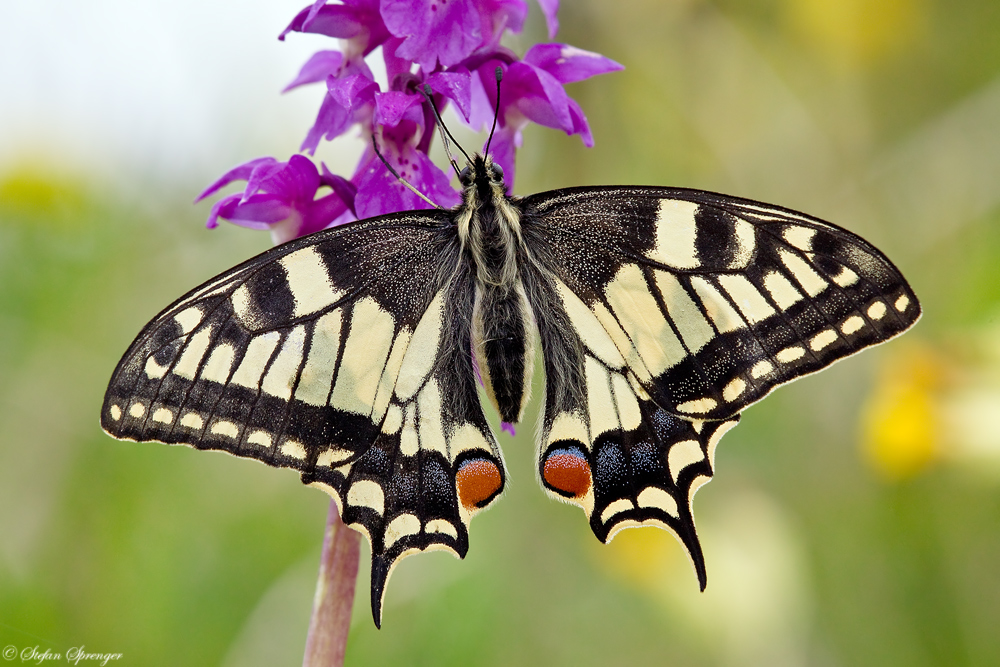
(568, 472)
(477, 480)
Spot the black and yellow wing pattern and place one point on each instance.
(677, 309)
(316, 356)
(354, 355)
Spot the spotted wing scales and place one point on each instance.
(714, 301)
(309, 357)
(604, 445)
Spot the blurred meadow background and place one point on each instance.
(854, 518)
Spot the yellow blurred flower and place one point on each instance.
(856, 33)
(901, 421)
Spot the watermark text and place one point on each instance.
(78, 655)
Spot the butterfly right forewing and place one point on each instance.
(713, 301)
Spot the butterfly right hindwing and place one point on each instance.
(604, 444)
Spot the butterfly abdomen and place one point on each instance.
(501, 330)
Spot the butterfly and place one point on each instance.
(355, 355)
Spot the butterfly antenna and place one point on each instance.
(496, 111)
(445, 133)
(400, 178)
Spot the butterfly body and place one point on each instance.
(352, 355)
(489, 229)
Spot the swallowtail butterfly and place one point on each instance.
(352, 355)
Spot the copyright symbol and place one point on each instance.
(10, 652)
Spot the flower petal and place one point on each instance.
(260, 173)
(499, 15)
(455, 85)
(342, 187)
(320, 213)
(568, 63)
(550, 8)
(538, 95)
(390, 106)
(296, 184)
(330, 20)
(331, 121)
(238, 173)
(435, 30)
(352, 90)
(260, 211)
(321, 65)
(222, 209)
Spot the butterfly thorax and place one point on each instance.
(489, 229)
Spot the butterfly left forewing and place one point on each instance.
(713, 301)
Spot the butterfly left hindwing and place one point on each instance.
(313, 356)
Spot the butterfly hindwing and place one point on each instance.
(713, 301)
(311, 356)
(604, 444)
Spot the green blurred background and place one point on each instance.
(854, 518)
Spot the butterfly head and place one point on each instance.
(484, 177)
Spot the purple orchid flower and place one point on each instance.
(281, 197)
(451, 47)
(532, 90)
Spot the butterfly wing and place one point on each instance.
(604, 444)
(344, 355)
(714, 301)
(696, 306)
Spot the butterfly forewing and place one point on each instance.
(317, 356)
(713, 301)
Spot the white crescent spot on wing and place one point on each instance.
(401, 526)
(681, 455)
(656, 497)
(366, 493)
